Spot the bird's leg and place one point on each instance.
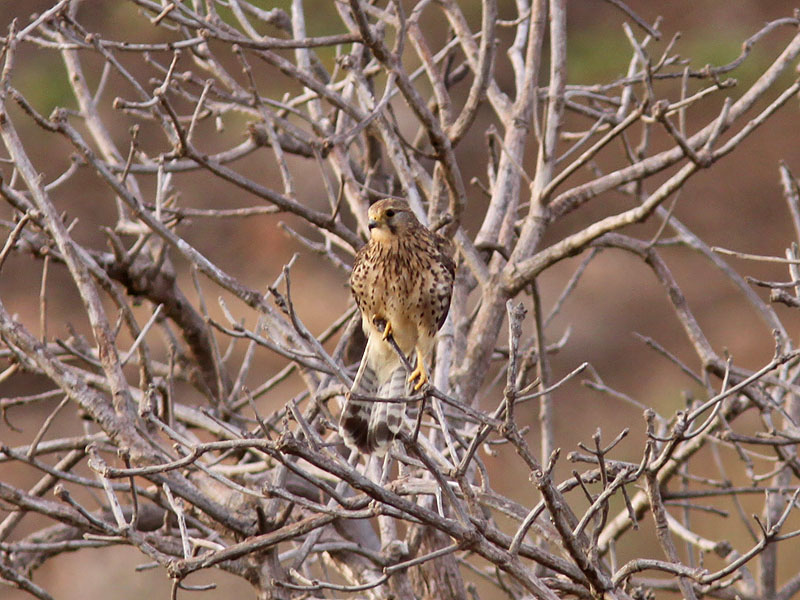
(419, 372)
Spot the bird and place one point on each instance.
(402, 282)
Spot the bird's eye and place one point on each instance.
(390, 213)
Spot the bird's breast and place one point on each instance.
(403, 283)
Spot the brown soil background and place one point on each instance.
(737, 204)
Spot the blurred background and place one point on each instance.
(737, 204)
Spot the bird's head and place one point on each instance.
(389, 218)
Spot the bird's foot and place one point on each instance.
(419, 373)
(387, 329)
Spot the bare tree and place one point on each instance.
(180, 460)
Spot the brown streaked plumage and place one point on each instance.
(402, 281)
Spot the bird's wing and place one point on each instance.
(446, 256)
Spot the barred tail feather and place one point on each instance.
(371, 427)
(354, 424)
(387, 417)
(355, 419)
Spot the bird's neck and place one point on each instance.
(383, 238)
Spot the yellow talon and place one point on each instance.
(419, 372)
(387, 331)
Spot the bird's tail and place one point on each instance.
(387, 417)
(355, 419)
(368, 426)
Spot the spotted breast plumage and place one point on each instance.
(402, 281)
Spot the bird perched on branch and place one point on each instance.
(402, 281)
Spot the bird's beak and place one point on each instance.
(372, 224)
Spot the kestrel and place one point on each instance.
(402, 281)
